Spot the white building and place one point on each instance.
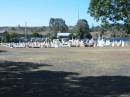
(63, 35)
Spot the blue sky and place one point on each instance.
(39, 12)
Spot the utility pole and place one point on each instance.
(26, 30)
(78, 14)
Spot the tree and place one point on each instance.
(13, 28)
(52, 35)
(112, 11)
(95, 29)
(13, 34)
(35, 34)
(82, 29)
(58, 25)
(74, 32)
(6, 37)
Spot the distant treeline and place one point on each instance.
(21, 29)
(117, 30)
(80, 30)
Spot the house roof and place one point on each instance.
(63, 34)
(2, 31)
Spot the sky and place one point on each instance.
(39, 12)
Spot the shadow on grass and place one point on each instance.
(18, 80)
(1, 51)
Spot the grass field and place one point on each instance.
(65, 72)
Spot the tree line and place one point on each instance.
(80, 30)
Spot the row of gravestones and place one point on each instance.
(71, 43)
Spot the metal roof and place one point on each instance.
(63, 34)
(2, 31)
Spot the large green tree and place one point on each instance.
(81, 30)
(13, 34)
(8, 36)
(57, 25)
(112, 11)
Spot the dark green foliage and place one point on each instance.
(74, 32)
(95, 29)
(13, 34)
(13, 28)
(35, 34)
(52, 35)
(8, 36)
(81, 30)
(0, 39)
(83, 27)
(58, 25)
(112, 11)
